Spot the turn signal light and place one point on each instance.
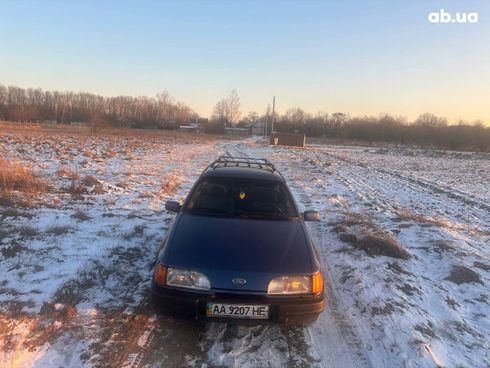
(160, 274)
(316, 283)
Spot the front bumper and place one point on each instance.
(191, 304)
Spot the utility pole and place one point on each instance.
(265, 124)
(273, 113)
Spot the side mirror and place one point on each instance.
(311, 216)
(173, 206)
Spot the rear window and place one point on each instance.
(230, 197)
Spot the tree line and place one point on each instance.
(162, 111)
(37, 105)
(427, 130)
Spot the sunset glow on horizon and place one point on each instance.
(319, 56)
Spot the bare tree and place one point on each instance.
(338, 117)
(233, 107)
(228, 110)
(297, 116)
(3, 101)
(220, 112)
(252, 117)
(165, 108)
(430, 120)
(62, 104)
(18, 104)
(96, 110)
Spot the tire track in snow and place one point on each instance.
(153, 343)
(332, 341)
(218, 344)
(395, 343)
(384, 191)
(262, 345)
(425, 188)
(420, 183)
(340, 341)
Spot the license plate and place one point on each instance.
(238, 311)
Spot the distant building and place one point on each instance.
(172, 124)
(237, 131)
(192, 128)
(193, 125)
(288, 139)
(256, 128)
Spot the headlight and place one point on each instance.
(187, 279)
(287, 285)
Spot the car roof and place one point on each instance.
(242, 172)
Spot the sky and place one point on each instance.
(352, 56)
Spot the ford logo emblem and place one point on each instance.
(239, 281)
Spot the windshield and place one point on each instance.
(235, 197)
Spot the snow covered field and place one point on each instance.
(75, 270)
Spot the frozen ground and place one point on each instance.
(430, 309)
(75, 269)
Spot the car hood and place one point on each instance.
(229, 248)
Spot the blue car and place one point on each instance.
(239, 250)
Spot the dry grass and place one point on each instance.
(27, 232)
(398, 269)
(411, 216)
(83, 131)
(62, 173)
(76, 188)
(13, 212)
(122, 185)
(138, 232)
(361, 233)
(425, 329)
(170, 185)
(381, 244)
(14, 199)
(14, 176)
(90, 181)
(385, 310)
(145, 194)
(18, 184)
(80, 215)
(58, 230)
(98, 189)
(481, 265)
(462, 275)
(109, 154)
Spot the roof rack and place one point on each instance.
(230, 161)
